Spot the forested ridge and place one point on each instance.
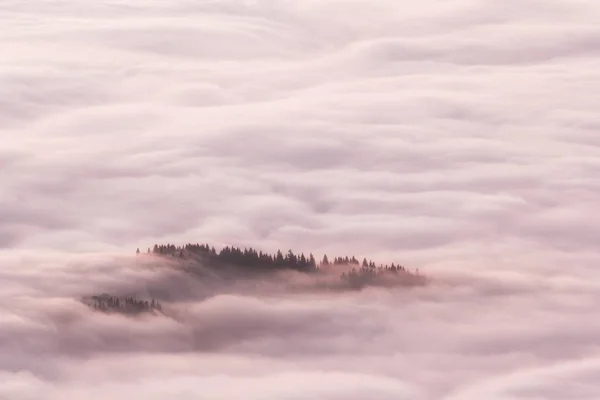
(251, 260)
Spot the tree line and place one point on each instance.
(252, 258)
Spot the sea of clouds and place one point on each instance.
(460, 138)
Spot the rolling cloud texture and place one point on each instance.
(460, 138)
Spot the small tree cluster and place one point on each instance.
(127, 305)
(365, 263)
(368, 273)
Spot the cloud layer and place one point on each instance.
(461, 337)
(455, 138)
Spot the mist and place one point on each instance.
(460, 336)
(458, 139)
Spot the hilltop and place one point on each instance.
(250, 262)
